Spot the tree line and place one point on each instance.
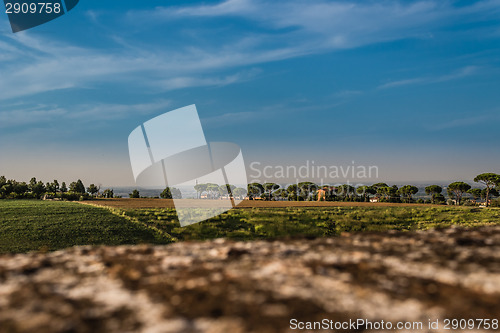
(214, 191)
(303, 191)
(35, 189)
(167, 193)
(207, 191)
(308, 191)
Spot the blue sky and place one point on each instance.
(409, 86)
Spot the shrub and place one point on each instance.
(70, 196)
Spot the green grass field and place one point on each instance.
(262, 223)
(29, 225)
(43, 225)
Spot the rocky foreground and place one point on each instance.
(225, 286)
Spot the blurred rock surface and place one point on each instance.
(226, 286)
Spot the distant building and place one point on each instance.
(321, 194)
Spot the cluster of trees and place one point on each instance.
(305, 191)
(168, 193)
(35, 189)
(207, 191)
(214, 191)
(171, 193)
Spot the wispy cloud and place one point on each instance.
(282, 30)
(232, 118)
(19, 115)
(461, 73)
(185, 82)
(475, 118)
(400, 83)
(229, 7)
(43, 65)
(320, 24)
(347, 93)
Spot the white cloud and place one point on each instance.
(12, 118)
(347, 93)
(475, 118)
(231, 118)
(42, 114)
(400, 83)
(335, 24)
(186, 81)
(32, 64)
(43, 65)
(461, 73)
(229, 7)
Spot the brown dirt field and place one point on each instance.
(165, 203)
